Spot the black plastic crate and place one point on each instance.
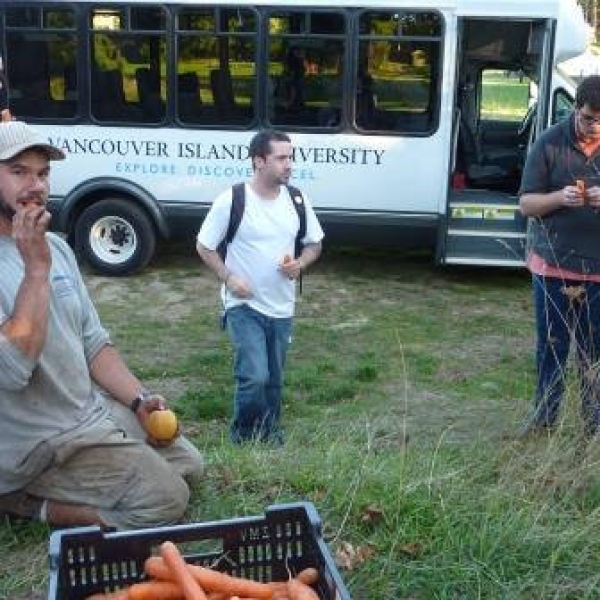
(86, 560)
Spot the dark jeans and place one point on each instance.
(260, 345)
(566, 312)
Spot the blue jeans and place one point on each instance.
(566, 312)
(260, 344)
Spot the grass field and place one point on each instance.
(405, 382)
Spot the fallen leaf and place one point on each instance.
(412, 549)
(348, 557)
(372, 514)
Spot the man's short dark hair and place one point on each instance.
(588, 92)
(260, 144)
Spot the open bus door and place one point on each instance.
(3, 86)
(500, 64)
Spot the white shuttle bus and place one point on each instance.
(410, 119)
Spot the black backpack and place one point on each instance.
(238, 203)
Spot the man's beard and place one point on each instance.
(6, 210)
(283, 179)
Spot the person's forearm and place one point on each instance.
(213, 261)
(540, 205)
(28, 325)
(111, 373)
(310, 253)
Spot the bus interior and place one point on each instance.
(492, 139)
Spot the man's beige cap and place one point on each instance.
(16, 137)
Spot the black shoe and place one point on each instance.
(20, 504)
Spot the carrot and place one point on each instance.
(215, 581)
(212, 581)
(181, 575)
(280, 591)
(300, 591)
(155, 590)
(155, 567)
(580, 183)
(308, 576)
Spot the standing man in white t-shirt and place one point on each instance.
(259, 276)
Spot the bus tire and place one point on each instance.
(115, 237)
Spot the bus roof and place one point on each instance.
(527, 8)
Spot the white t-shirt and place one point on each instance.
(266, 234)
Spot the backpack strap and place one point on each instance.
(238, 204)
(298, 203)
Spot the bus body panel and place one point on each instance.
(338, 172)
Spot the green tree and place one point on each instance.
(590, 10)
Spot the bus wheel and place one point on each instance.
(115, 237)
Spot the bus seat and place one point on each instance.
(366, 106)
(187, 83)
(107, 93)
(328, 116)
(222, 89)
(188, 96)
(147, 81)
(108, 97)
(148, 86)
(480, 172)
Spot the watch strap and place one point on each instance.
(141, 397)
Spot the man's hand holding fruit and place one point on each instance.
(159, 423)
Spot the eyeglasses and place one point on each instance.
(589, 119)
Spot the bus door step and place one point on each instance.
(485, 234)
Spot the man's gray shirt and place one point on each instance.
(47, 401)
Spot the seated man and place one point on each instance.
(74, 448)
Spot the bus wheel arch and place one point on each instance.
(115, 235)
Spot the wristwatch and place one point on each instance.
(142, 396)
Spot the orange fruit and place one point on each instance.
(162, 425)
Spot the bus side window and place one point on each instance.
(36, 90)
(40, 58)
(307, 56)
(562, 107)
(398, 67)
(216, 60)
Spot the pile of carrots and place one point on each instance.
(171, 578)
